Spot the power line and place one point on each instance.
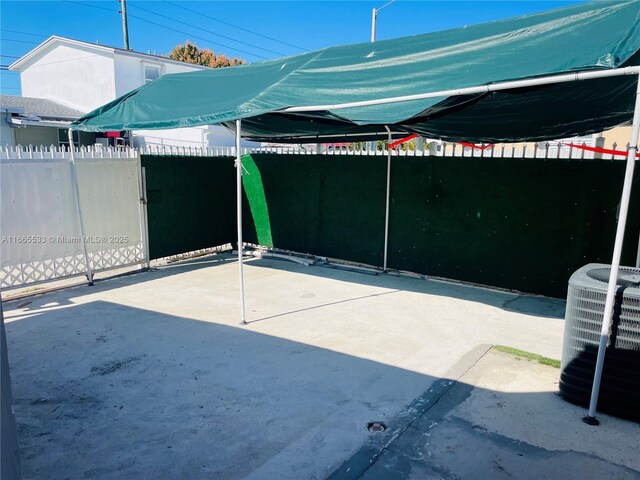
(234, 26)
(8, 56)
(205, 30)
(24, 33)
(18, 41)
(199, 38)
(169, 28)
(90, 5)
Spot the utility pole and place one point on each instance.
(125, 28)
(374, 19)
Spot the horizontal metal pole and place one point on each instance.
(339, 135)
(532, 82)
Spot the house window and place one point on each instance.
(79, 138)
(151, 72)
(63, 138)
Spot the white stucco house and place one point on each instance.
(83, 76)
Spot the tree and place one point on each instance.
(190, 53)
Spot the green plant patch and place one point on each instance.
(528, 355)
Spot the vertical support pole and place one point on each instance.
(386, 211)
(144, 218)
(638, 254)
(243, 320)
(74, 175)
(615, 262)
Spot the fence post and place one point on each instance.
(76, 187)
(599, 143)
(144, 218)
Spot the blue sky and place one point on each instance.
(308, 25)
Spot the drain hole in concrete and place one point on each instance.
(376, 427)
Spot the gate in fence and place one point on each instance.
(66, 214)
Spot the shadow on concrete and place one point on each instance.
(517, 302)
(323, 305)
(103, 390)
(33, 303)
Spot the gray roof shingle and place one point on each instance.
(38, 107)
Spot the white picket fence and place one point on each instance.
(49, 232)
(53, 152)
(548, 150)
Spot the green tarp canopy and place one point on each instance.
(590, 36)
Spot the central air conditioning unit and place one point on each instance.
(620, 386)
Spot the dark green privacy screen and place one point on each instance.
(322, 204)
(523, 224)
(191, 203)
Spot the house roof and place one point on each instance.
(55, 39)
(38, 107)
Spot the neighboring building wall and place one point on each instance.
(129, 71)
(187, 137)
(80, 77)
(619, 136)
(130, 74)
(219, 136)
(6, 132)
(205, 136)
(46, 136)
(36, 136)
(87, 77)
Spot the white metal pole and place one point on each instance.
(615, 262)
(76, 188)
(494, 87)
(374, 15)
(386, 213)
(243, 320)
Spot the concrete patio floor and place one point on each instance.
(502, 420)
(151, 376)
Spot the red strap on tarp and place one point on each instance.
(599, 149)
(402, 140)
(479, 147)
